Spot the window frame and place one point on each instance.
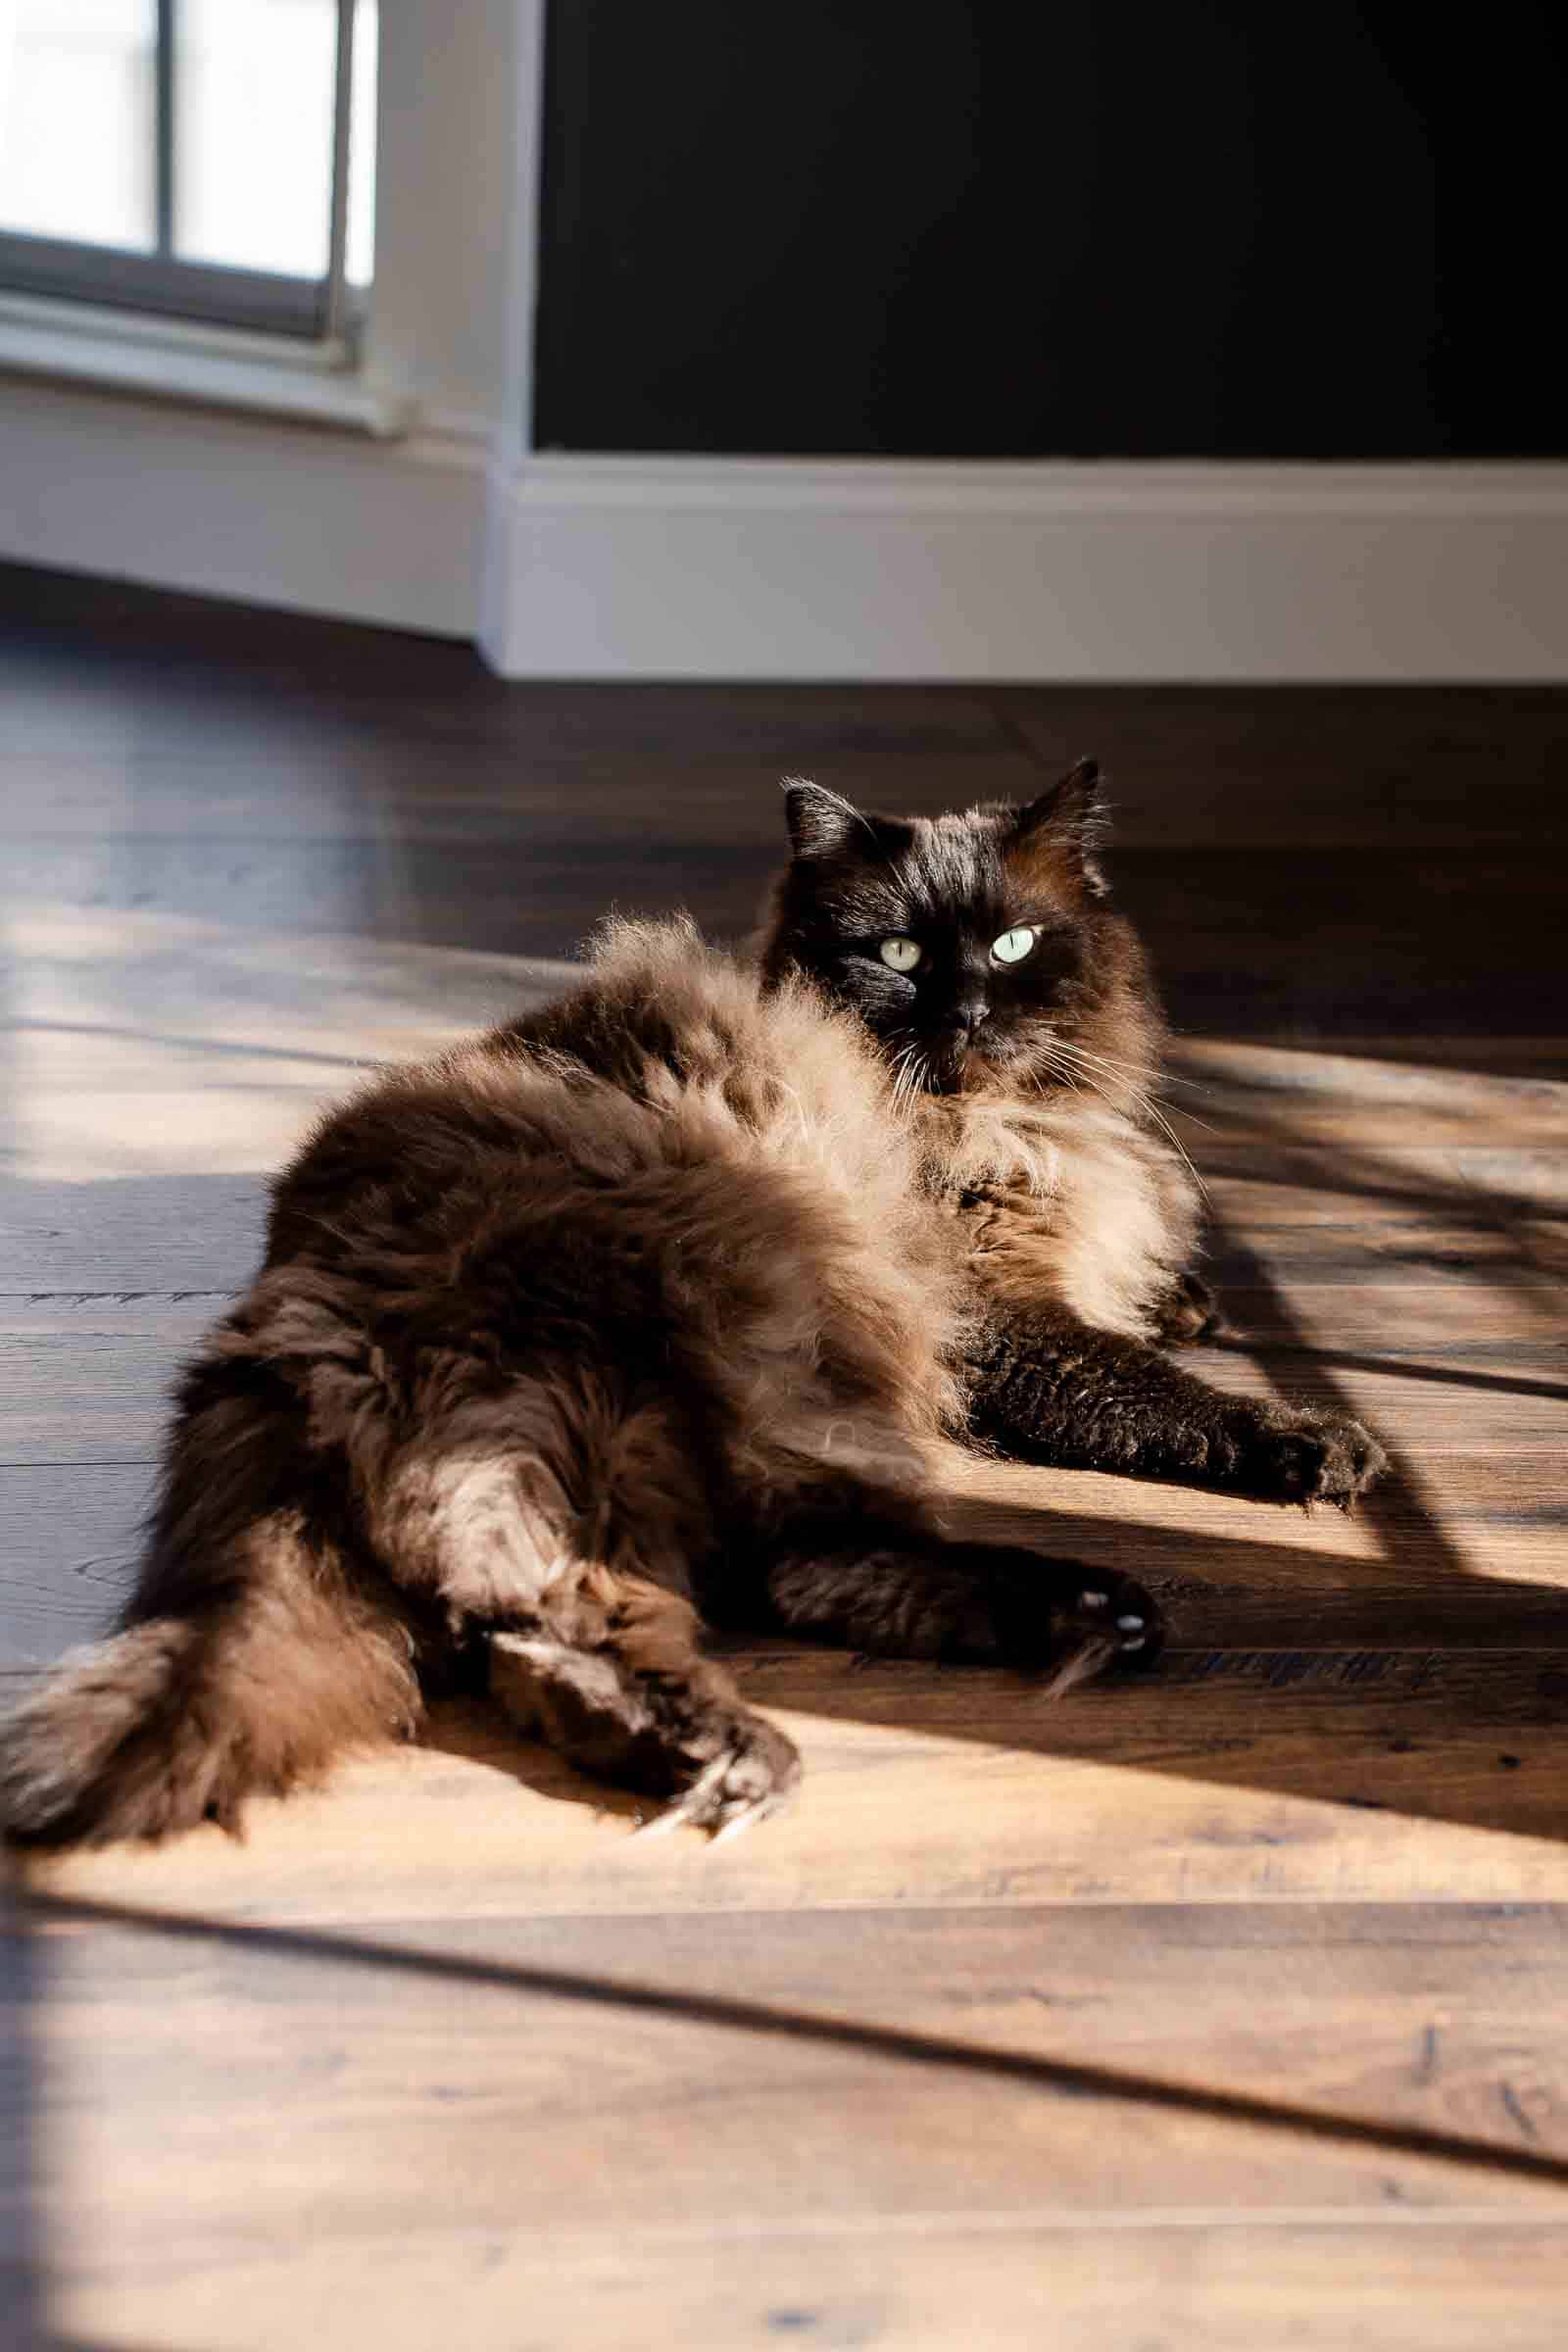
(325, 311)
(287, 474)
(153, 286)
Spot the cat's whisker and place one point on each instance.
(904, 1076)
(909, 1073)
(1088, 1065)
(1126, 1074)
(1144, 1101)
(1152, 1110)
(1148, 1083)
(1062, 1071)
(1139, 1069)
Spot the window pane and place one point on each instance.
(76, 108)
(253, 133)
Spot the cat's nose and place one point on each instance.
(967, 1014)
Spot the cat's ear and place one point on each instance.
(821, 822)
(1070, 819)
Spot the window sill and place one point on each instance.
(210, 367)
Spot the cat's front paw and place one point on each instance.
(1299, 1456)
(1190, 1315)
(1069, 1622)
(753, 1775)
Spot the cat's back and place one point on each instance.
(669, 1056)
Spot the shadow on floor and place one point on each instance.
(917, 2050)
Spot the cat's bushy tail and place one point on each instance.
(180, 1717)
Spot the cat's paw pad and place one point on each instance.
(1316, 1457)
(754, 1775)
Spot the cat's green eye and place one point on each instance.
(900, 954)
(1013, 945)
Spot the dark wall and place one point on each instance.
(1124, 228)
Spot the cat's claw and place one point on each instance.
(1079, 1664)
(738, 1823)
(753, 1776)
(1131, 1639)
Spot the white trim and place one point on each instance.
(512, 448)
(519, 260)
(436, 332)
(92, 320)
(214, 369)
(664, 568)
(242, 506)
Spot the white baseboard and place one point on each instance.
(314, 519)
(639, 568)
(650, 567)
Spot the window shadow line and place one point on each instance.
(1280, 1332)
(1266, 1351)
(1069, 2077)
(246, 1049)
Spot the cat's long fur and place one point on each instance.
(649, 1306)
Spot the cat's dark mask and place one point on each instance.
(964, 943)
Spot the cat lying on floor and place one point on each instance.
(656, 1305)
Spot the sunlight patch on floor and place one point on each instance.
(482, 1827)
(136, 1044)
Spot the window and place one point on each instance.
(208, 160)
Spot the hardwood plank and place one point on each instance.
(546, 895)
(1314, 2283)
(1288, 1777)
(1466, 1551)
(108, 1246)
(135, 1044)
(826, 2106)
(1364, 2030)
(1389, 1093)
(85, 1377)
(69, 1541)
(1477, 1557)
(1410, 1410)
(89, 1383)
(371, 791)
(1352, 768)
(883, 2096)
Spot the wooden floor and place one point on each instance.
(1225, 2010)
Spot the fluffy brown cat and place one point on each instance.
(656, 1304)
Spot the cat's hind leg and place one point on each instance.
(619, 1685)
(558, 1523)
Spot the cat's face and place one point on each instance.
(973, 947)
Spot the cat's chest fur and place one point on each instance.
(1079, 1201)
